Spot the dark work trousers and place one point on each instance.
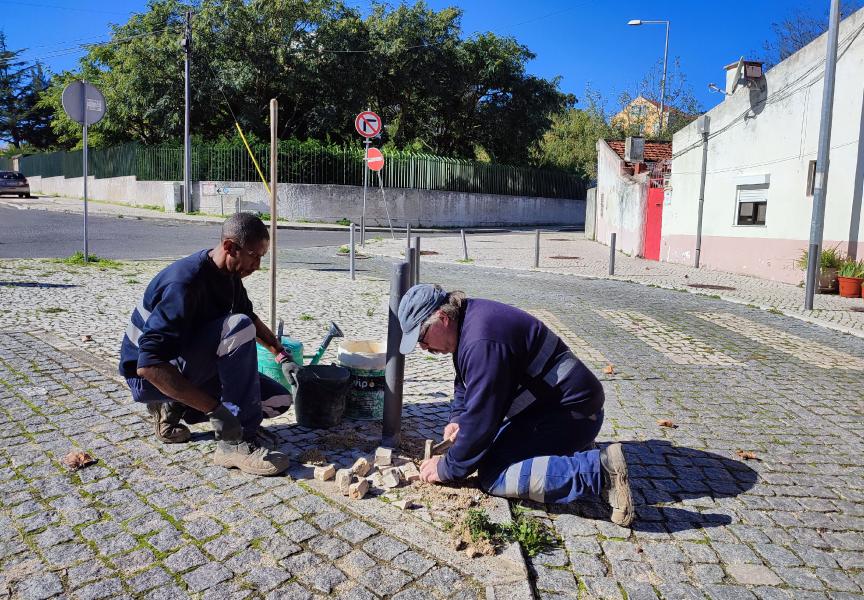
(220, 359)
(543, 456)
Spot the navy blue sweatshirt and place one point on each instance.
(504, 354)
(182, 297)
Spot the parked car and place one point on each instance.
(13, 182)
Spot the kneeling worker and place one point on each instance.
(525, 411)
(189, 351)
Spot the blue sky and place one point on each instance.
(583, 41)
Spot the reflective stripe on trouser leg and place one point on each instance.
(237, 364)
(552, 479)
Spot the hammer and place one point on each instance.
(432, 448)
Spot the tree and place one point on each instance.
(679, 100)
(324, 63)
(797, 29)
(570, 143)
(22, 122)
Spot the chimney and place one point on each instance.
(634, 149)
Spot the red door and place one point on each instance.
(654, 219)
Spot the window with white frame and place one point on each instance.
(751, 204)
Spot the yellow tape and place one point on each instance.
(252, 156)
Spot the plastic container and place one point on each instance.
(321, 393)
(267, 362)
(366, 359)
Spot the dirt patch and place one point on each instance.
(710, 286)
(313, 456)
(565, 257)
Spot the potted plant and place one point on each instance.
(830, 260)
(849, 276)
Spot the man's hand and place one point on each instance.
(451, 431)
(289, 370)
(429, 470)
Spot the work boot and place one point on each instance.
(615, 485)
(166, 422)
(249, 458)
(263, 438)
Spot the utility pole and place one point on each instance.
(704, 126)
(820, 183)
(186, 43)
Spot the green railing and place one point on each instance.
(312, 164)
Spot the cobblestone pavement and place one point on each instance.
(158, 521)
(572, 254)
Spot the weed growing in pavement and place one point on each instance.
(345, 222)
(52, 310)
(532, 534)
(306, 317)
(77, 259)
(465, 261)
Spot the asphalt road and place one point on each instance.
(45, 234)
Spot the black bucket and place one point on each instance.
(321, 392)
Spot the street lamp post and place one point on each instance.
(637, 22)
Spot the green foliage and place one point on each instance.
(23, 123)
(77, 259)
(570, 143)
(343, 221)
(532, 534)
(324, 62)
(829, 258)
(851, 268)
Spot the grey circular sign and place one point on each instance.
(83, 101)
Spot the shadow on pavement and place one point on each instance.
(35, 284)
(661, 473)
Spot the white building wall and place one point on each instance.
(773, 134)
(620, 203)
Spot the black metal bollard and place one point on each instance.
(612, 255)
(394, 373)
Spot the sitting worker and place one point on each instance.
(525, 411)
(189, 351)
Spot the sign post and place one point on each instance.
(367, 124)
(84, 104)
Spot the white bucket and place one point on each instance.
(366, 359)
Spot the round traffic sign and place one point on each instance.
(367, 124)
(83, 100)
(374, 159)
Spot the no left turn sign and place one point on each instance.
(368, 124)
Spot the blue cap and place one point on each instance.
(416, 306)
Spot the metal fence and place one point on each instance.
(309, 163)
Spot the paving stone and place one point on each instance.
(226, 545)
(322, 579)
(354, 531)
(184, 559)
(166, 592)
(101, 589)
(329, 547)
(299, 531)
(603, 588)
(292, 591)
(148, 580)
(384, 547)
(39, 587)
(412, 562)
(206, 577)
(384, 581)
(753, 574)
(86, 573)
(553, 580)
(266, 578)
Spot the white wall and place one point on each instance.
(773, 133)
(330, 203)
(621, 201)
